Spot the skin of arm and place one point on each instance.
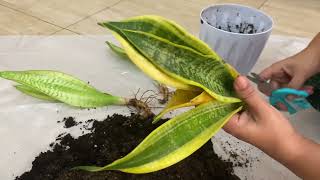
(293, 71)
(266, 128)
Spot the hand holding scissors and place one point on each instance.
(280, 95)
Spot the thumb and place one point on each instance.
(249, 95)
(243, 125)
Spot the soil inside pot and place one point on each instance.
(242, 28)
(112, 139)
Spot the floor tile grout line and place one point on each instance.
(263, 4)
(86, 17)
(35, 17)
(108, 7)
(61, 28)
(66, 30)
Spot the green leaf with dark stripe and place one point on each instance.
(185, 64)
(174, 140)
(163, 28)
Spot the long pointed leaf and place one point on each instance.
(149, 69)
(164, 28)
(186, 65)
(31, 92)
(62, 87)
(116, 49)
(174, 140)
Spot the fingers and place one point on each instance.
(245, 125)
(274, 84)
(249, 95)
(296, 82)
(280, 75)
(232, 126)
(276, 75)
(241, 126)
(281, 107)
(275, 70)
(266, 74)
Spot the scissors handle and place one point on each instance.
(280, 95)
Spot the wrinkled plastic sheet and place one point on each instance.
(28, 125)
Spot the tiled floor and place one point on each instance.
(47, 17)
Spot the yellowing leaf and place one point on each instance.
(184, 99)
(174, 140)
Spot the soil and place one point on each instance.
(239, 157)
(111, 139)
(242, 28)
(69, 122)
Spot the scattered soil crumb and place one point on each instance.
(69, 122)
(239, 157)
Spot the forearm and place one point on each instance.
(315, 43)
(313, 50)
(301, 156)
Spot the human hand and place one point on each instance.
(263, 126)
(292, 72)
(260, 124)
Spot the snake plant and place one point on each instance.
(170, 55)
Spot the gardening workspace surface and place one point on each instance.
(29, 126)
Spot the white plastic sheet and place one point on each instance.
(28, 125)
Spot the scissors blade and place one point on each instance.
(255, 80)
(264, 86)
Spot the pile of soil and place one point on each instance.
(112, 139)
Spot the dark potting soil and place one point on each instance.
(69, 122)
(242, 28)
(111, 139)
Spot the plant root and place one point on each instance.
(140, 105)
(141, 108)
(164, 92)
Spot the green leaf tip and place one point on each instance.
(62, 87)
(88, 168)
(117, 50)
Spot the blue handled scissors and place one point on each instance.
(280, 95)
